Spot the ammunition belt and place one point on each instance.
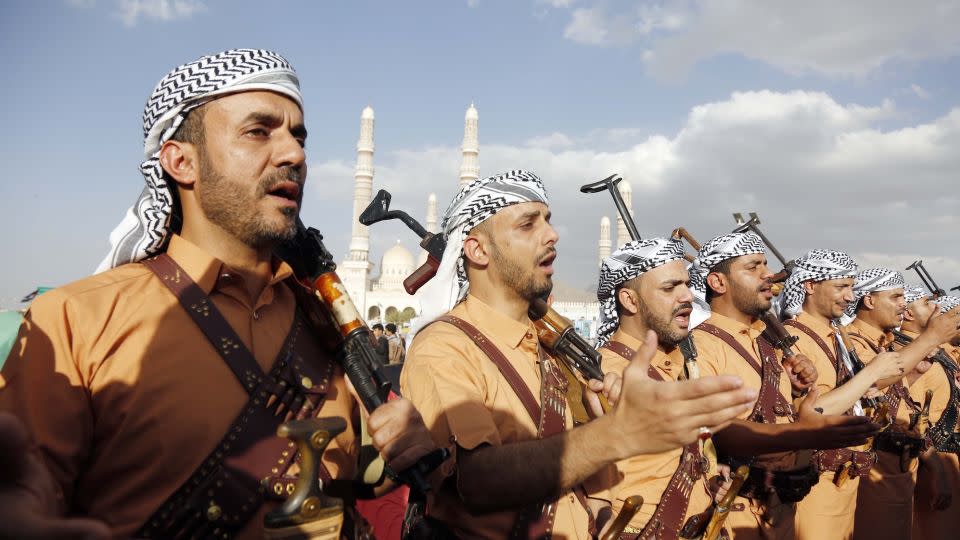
(835, 460)
(900, 443)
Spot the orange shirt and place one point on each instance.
(935, 379)
(123, 394)
(463, 398)
(649, 475)
(826, 372)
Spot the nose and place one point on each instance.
(848, 295)
(289, 151)
(686, 295)
(552, 237)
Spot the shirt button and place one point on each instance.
(666, 362)
(256, 315)
(529, 335)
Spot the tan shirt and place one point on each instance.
(935, 379)
(649, 475)
(465, 400)
(875, 337)
(717, 358)
(123, 394)
(805, 345)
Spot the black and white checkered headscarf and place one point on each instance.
(712, 253)
(626, 263)
(475, 203)
(816, 265)
(145, 229)
(869, 281)
(912, 293)
(947, 303)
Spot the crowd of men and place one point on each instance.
(143, 401)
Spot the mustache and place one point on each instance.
(286, 174)
(681, 307)
(547, 254)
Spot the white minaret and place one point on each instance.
(604, 238)
(470, 166)
(431, 221)
(355, 270)
(623, 235)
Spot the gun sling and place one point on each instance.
(666, 523)
(790, 486)
(943, 434)
(835, 460)
(535, 522)
(248, 464)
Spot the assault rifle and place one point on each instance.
(927, 279)
(335, 318)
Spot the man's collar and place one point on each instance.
(733, 325)
(206, 270)
(814, 323)
(497, 324)
(869, 331)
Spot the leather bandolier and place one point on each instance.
(897, 440)
(789, 486)
(667, 523)
(535, 522)
(943, 434)
(835, 460)
(248, 466)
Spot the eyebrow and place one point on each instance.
(273, 120)
(532, 214)
(672, 282)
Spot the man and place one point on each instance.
(490, 393)
(644, 286)
(129, 421)
(948, 303)
(885, 497)
(730, 274)
(818, 291)
(935, 514)
(381, 345)
(395, 345)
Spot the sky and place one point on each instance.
(837, 123)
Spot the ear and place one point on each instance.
(908, 315)
(475, 250)
(717, 282)
(808, 287)
(627, 299)
(181, 161)
(868, 301)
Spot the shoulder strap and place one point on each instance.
(819, 341)
(627, 353)
(230, 483)
(732, 342)
(509, 372)
(865, 340)
(208, 318)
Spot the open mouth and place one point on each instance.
(546, 263)
(287, 191)
(682, 317)
(767, 291)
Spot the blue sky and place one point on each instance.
(836, 124)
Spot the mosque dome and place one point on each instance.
(367, 113)
(471, 113)
(396, 264)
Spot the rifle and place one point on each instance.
(682, 234)
(753, 225)
(610, 184)
(927, 279)
(856, 365)
(722, 509)
(335, 318)
(555, 331)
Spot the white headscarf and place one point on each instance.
(626, 263)
(869, 281)
(475, 203)
(817, 265)
(145, 229)
(947, 303)
(912, 293)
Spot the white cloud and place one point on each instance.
(132, 11)
(819, 173)
(836, 39)
(919, 91)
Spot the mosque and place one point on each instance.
(382, 298)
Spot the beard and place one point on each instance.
(749, 301)
(663, 325)
(517, 278)
(228, 204)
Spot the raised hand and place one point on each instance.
(944, 327)
(653, 417)
(29, 505)
(610, 387)
(801, 371)
(399, 434)
(885, 365)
